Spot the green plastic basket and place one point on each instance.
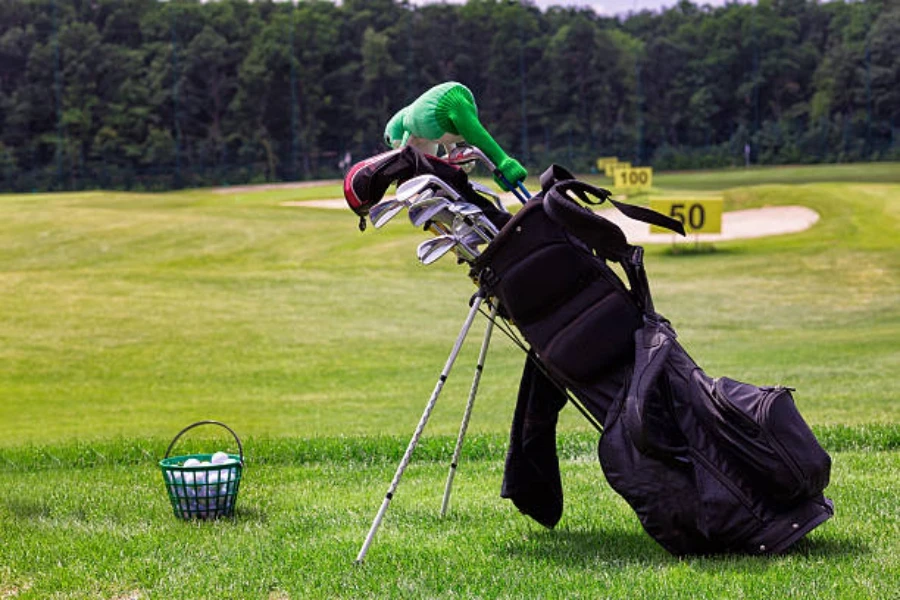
(206, 491)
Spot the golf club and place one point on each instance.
(471, 215)
(412, 187)
(422, 211)
(486, 191)
(383, 212)
(431, 250)
(461, 155)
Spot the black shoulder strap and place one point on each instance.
(599, 233)
(553, 175)
(587, 192)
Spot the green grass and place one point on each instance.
(786, 175)
(124, 317)
(107, 531)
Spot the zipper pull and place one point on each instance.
(777, 388)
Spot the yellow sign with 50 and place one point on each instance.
(698, 215)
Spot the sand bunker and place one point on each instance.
(736, 225)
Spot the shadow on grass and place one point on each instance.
(686, 249)
(249, 514)
(38, 509)
(241, 516)
(587, 548)
(828, 548)
(27, 509)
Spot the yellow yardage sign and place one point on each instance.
(633, 178)
(699, 215)
(610, 168)
(606, 160)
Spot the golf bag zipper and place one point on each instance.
(774, 392)
(697, 456)
(744, 422)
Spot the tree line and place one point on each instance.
(143, 94)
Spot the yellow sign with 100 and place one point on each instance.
(633, 178)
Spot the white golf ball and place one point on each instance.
(192, 462)
(220, 458)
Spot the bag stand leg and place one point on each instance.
(479, 368)
(404, 462)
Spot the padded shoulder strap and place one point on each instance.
(602, 235)
(553, 175)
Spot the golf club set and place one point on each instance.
(709, 465)
(433, 204)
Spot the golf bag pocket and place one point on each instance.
(724, 512)
(764, 430)
(739, 489)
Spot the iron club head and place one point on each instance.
(424, 210)
(384, 211)
(410, 188)
(431, 250)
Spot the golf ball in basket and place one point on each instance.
(220, 458)
(192, 462)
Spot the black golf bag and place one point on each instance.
(709, 465)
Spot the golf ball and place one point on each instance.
(220, 458)
(192, 462)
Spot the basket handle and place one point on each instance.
(198, 423)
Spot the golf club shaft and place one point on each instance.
(521, 193)
(476, 304)
(518, 190)
(479, 368)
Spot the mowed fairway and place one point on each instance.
(125, 317)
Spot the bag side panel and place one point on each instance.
(762, 428)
